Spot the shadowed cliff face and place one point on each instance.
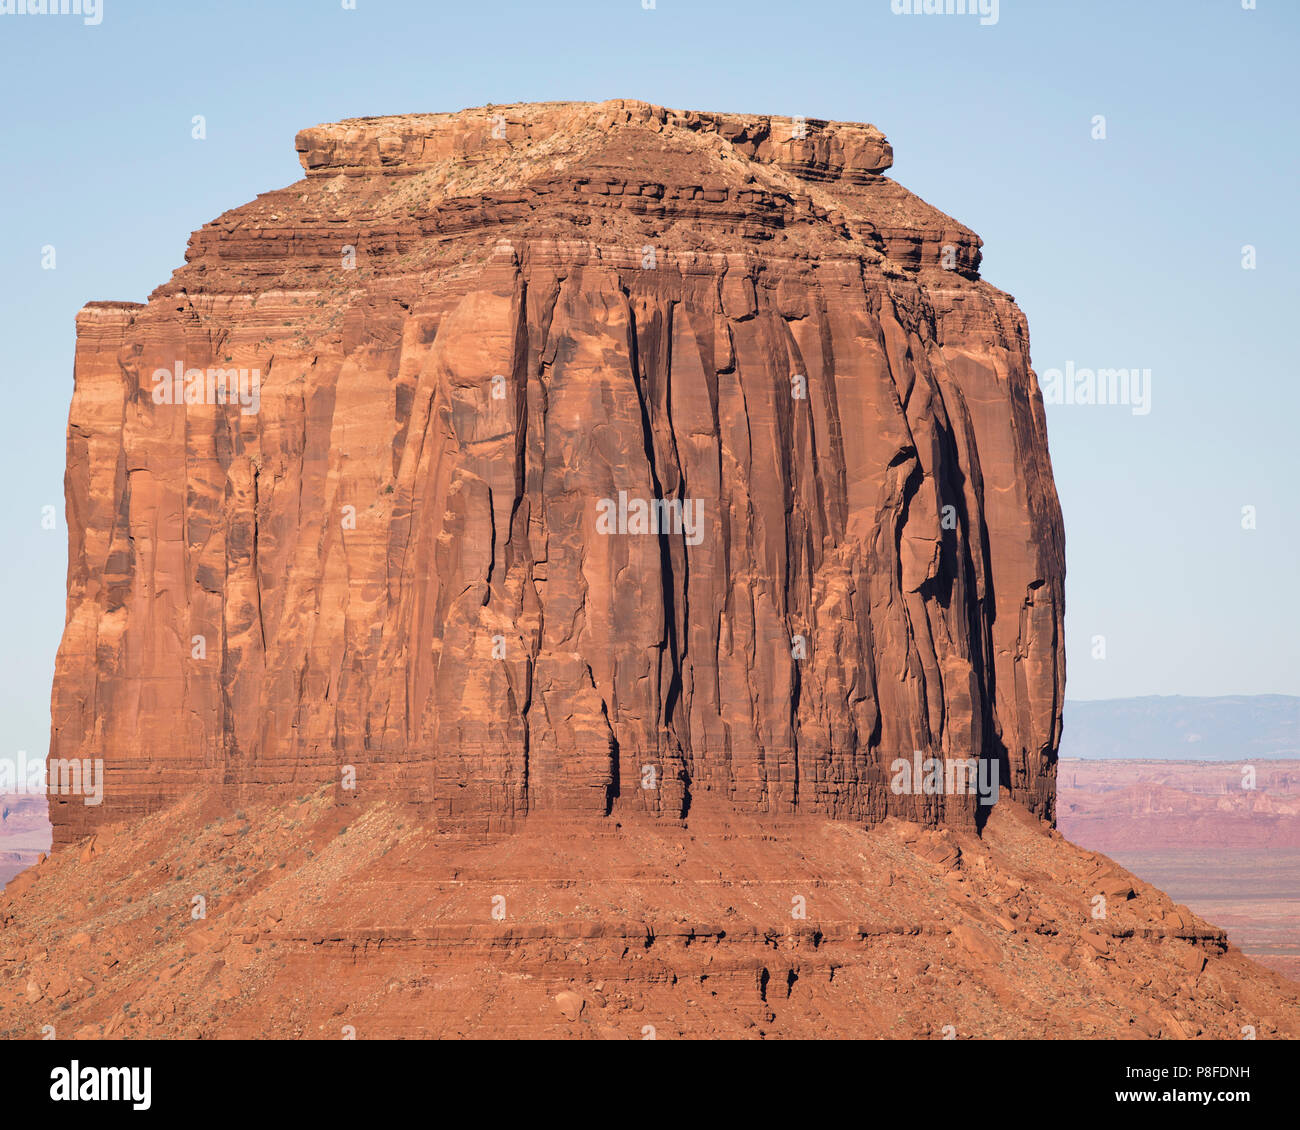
(594, 458)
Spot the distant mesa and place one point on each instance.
(1180, 727)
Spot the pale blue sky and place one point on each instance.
(1123, 253)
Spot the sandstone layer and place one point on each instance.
(470, 329)
(325, 920)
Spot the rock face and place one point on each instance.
(323, 917)
(475, 349)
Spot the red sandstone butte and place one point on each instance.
(471, 333)
(471, 328)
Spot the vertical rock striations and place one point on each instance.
(393, 524)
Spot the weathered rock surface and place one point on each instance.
(323, 920)
(469, 330)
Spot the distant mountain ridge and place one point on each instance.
(1183, 728)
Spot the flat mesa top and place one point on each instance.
(433, 192)
(811, 147)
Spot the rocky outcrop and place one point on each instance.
(324, 920)
(384, 520)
